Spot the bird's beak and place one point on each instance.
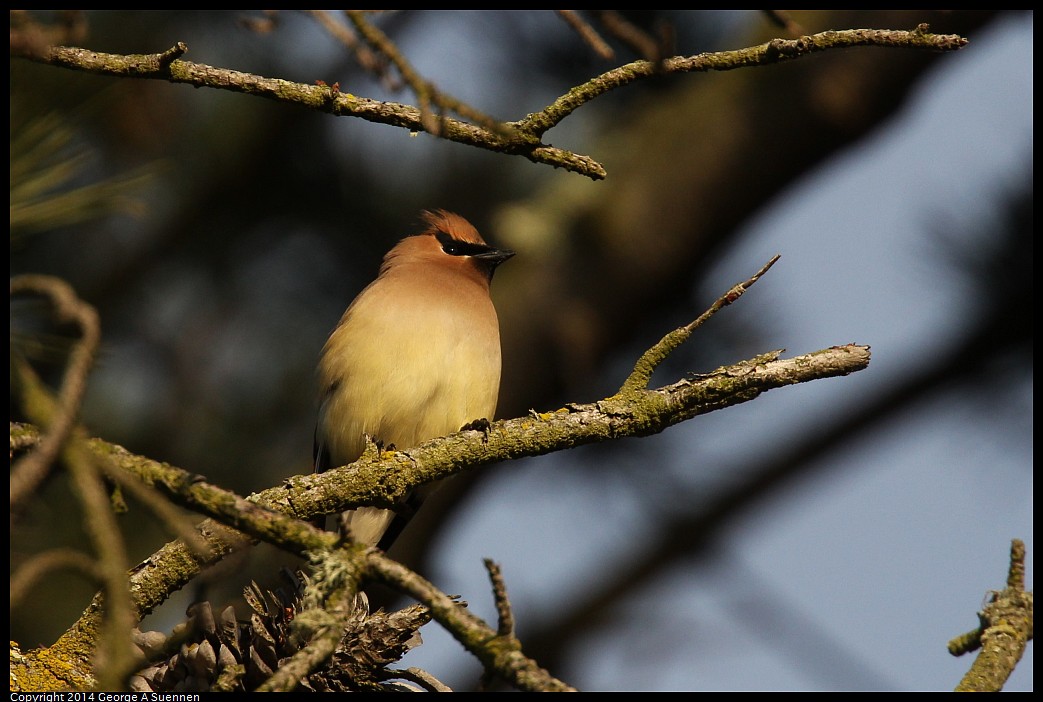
(494, 256)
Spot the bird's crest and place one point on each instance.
(451, 224)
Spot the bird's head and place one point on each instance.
(448, 243)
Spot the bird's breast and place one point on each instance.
(405, 378)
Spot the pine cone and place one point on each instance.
(203, 654)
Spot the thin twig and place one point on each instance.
(774, 51)
(784, 19)
(504, 615)
(499, 653)
(30, 470)
(366, 57)
(650, 359)
(421, 677)
(165, 510)
(41, 564)
(588, 34)
(643, 44)
(427, 94)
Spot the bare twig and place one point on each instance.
(29, 35)
(41, 564)
(643, 44)
(423, 678)
(588, 34)
(427, 94)
(31, 469)
(163, 509)
(266, 23)
(784, 19)
(368, 59)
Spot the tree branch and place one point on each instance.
(774, 51)
(1005, 630)
(650, 359)
(497, 652)
(382, 477)
(523, 137)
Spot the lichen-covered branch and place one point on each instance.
(650, 359)
(774, 51)
(382, 477)
(1005, 630)
(497, 652)
(522, 137)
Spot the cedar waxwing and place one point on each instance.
(415, 356)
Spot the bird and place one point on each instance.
(415, 356)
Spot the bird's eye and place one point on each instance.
(455, 247)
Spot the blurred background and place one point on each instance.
(829, 536)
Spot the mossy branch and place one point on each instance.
(523, 137)
(1005, 630)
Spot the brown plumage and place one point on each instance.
(415, 356)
